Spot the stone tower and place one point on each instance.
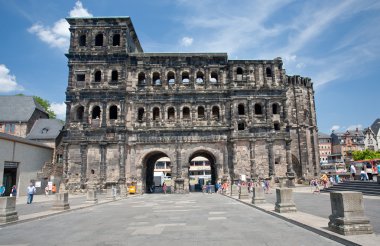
(126, 109)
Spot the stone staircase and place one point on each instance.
(366, 187)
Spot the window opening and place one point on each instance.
(171, 113)
(276, 126)
(239, 73)
(115, 75)
(186, 113)
(241, 110)
(98, 76)
(116, 40)
(81, 77)
(241, 126)
(140, 114)
(185, 78)
(258, 109)
(275, 108)
(268, 71)
(214, 77)
(82, 40)
(99, 40)
(141, 78)
(200, 77)
(96, 112)
(156, 78)
(171, 78)
(215, 113)
(80, 112)
(156, 113)
(201, 112)
(113, 112)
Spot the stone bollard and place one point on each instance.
(284, 203)
(258, 195)
(61, 201)
(234, 190)
(243, 192)
(347, 216)
(123, 191)
(91, 197)
(110, 194)
(8, 211)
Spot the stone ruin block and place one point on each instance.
(91, 197)
(347, 216)
(258, 195)
(61, 201)
(8, 211)
(284, 203)
(234, 190)
(243, 192)
(111, 194)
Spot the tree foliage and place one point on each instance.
(45, 104)
(365, 155)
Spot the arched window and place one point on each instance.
(156, 78)
(99, 40)
(200, 77)
(214, 77)
(276, 126)
(185, 78)
(241, 126)
(156, 113)
(114, 75)
(141, 79)
(241, 110)
(275, 108)
(98, 76)
(239, 73)
(116, 40)
(201, 112)
(96, 112)
(113, 112)
(140, 114)
(258, 109)
(79, 113)
(171, 113)
(186, 113)
(171, 78)
(268, 72)
(82, 40)
(215, 113)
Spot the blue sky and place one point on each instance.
(335, 43)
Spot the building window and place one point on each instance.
(214, 77)
(201, 112)
(275, 108)
(215, 113)
(276, 126)
(156, 113)
(239, 73)
(113, 112)
(171, 78)
(186, 113)
(82, 40)
(10, 128)
(258, 109)
(81, 77)
(241, 126)
(141, 79)
(140, 114)
(185, 78)
(116, 40)
(200, 77)
(241, 110)
(114, 75)
(171, 113)
(98, 76)
(59, 158)
(268, 72)
(99, 40)
(156, 78)
(96, 112)
(79, 113)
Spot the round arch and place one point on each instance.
(148, 163)
(212, 160)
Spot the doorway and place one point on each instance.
(10, 176)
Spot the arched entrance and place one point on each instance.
(156, 167)
(202, 170)
(296, 166)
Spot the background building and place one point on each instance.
(325, 147)
(345, 143)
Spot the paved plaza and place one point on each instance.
(157, 219)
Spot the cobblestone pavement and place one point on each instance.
(157, 219)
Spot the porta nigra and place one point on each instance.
(127, 108)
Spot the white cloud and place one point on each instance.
(335, 128)
(59, 109)
(8, 81)
(186, 41)
(58, 36)
(354, 127)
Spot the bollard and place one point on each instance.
(61, 201)
(8, 211)
(110, 194)
(91, 197)
(284, 203)
(243, 192)
(123, 191)
(347, 216)
(234, 190)
(258, 195)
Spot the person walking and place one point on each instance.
(2, 190)
(46, 190)
(30, 191)
(14, 191)
(352, 171)
(53, 189)
(164, 187)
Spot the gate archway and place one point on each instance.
(202, 169)
(148, 170)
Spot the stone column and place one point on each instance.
(271, 158)
(347, 216)
(61, 201)
(225, 161)
(65, 161)
(83, 171)
(234, 161)
(8, 211)
(289, 169)
(68, 110)
(258, 195)
(104, 114)
(121, 162)
(85, 114)
(103, 164)
(122, 112)
(284, 203)
(252, 159)
(243, 192)
(91, 196)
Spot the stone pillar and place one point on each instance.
(65, 161)
(252, 160)
(122, 112)
(8, 211)
(104, 114)
(103, 164)
(68, 110)
(111, 193)
(234, 190)
(243, 192)
(91, 196)
(289, 169)
(270, 158)
(121, 163)
(284, 203)
(83, 170)
(258, 195)
(347, 216)
(61, 201)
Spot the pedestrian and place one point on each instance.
(316, 187)
(47, 190)
(369, 171)
(363, 174)
(267, 186)
(164, 187)
(2, 190)
(13, 191)
(353, 171)
(53, 189)
(30, 191)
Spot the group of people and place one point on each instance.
(366, 173)
(12, 193)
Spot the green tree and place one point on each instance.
(45, 104)
(365, 155)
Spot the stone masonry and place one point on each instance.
(127, 108)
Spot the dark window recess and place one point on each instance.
(241, 110)
(140, 116)
(96, 112)
(268, 72)
(276, 126)
(214, 77)
(171, 78)
(241, 126)
(98, 76)
(113, 112)
(171, 114)
(201, 112)
(156, 78)
(215, 112)
(275, 108)
(99, 40)
(82, 40)
(186, 113)
(115, 75)
(258, 109)
(185, 77)
(81, 77)
(92, 171)
(239, 73)
(116, 40)
(200, 77)
(80, 112)
(156, 113)
(141, 79)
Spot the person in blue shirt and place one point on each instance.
(2, 190)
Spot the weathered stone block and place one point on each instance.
(91, 197)
(61, 201)
(8, 211)
(234, 190)
(111, 194)
(347, 216)
(284, 203)
(258, 195)
(243, 192)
